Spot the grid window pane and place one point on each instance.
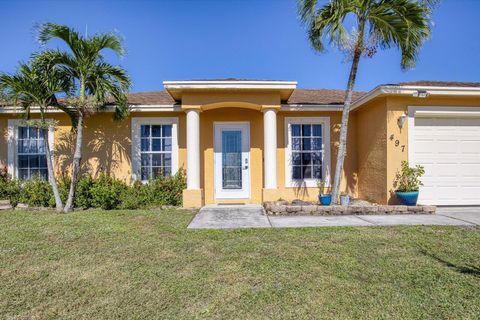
(156, 144)
(307, 144)
(307, 130)
(156, 156)
(317, 130)
(145, 144)
(167, 144)
(307, 151)
(156, 159)
(167, 131)
(145, 131)
(23, 132)
(295, 130)
(33, 133)
(156, 131)
(296, 144)
(31, 157)
(306, 158)
(316, 143)
(296, 158)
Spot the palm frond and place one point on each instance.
(49, 30)
(400, 23)
(107, 41)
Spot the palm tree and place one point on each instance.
(404, 24)
(36, 85)
(97, 82)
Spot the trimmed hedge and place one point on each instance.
(104, 192)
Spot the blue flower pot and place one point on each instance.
(408, 198)
(325, 199)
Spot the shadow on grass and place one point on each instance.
(465, 269)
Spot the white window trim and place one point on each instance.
(12, 135)
(325, 122)
(137, 122)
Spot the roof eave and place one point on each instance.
(411, 90)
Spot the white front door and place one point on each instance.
(232, 160)
(449, 149)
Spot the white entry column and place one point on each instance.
(270, 147)
(193, 149)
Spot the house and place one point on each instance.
(248, 141)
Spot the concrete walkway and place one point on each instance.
(253, 216)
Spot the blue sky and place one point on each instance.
(258, 39)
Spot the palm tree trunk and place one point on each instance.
(345, 114)
(50, 169)
(51, 175)
(77, 157)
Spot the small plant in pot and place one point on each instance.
(344, 199)
(324, 198)
(408, 183)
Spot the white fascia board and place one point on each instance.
(311, 107)
(132, 108)
(240, 84)
(410, 90)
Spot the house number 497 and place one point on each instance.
(397, 143)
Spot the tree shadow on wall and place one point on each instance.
(102, 152)
(465, 269)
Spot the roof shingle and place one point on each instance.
(299, 96)
(321, 96)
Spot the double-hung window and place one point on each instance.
(31, 155)
(308, 150)
(27, 157)
(154, 148)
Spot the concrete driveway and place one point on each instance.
(253, 216)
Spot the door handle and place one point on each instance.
(246, 164)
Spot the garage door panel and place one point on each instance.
(449, 149)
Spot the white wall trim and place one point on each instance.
(326, 168)
(12, 132)
(229, 84)
(132, 108)
(136, 143)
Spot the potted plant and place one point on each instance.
(344, 199)
(408, 183)
(324, 198)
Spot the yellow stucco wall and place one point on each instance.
(396, 154)
(371, 137)
(106, 145)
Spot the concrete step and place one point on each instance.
(5, 205)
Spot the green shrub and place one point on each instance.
(83, 197)
(106, 192)
(137, 196)
(168, 190)
(3, 184)
(36, 193)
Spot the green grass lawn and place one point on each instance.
(146, 264)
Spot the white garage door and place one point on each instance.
(449, 149)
